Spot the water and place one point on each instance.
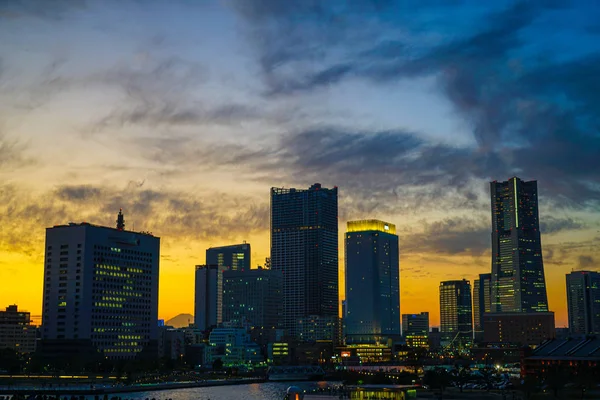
(254, 391)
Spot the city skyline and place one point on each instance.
(185, 114)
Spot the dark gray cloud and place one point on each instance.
(587, 262)
(550, 224)
(537, 120)
(450, 236)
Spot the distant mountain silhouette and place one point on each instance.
(180, 321)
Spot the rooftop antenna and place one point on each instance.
(120, 220)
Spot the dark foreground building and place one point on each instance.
(570, 360)
(523, 329)
(304, 248)
(100, 292)
(518, 283)
(372, 282)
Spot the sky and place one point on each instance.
(185, 113)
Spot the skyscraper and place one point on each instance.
(304, 247)
(372, 282)
(583, 301)
(456, 313)
(518, 283)
(101, 288)
(482, 302)
(252, 298)
(206, 299)
(234, 257)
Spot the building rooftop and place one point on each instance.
(584, 348)
(371, 225)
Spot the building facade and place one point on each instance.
(16, 331)
(372, 282)
(304, 247)
(415, 329)
(206, 298)
(235, 257)
(518, 282)
(252, 298)
(101, 286)
(523, 329)
(482, 302)
(583, 302)
(456, 313)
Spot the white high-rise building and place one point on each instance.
(101, 288)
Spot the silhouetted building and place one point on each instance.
(456, 313)
(304, 247)
(560, 359)
(313, 328)
(518, 283)
(235, 257)
(583, 299)
(415, 329)
(100, 291)
(206, 297)
(16, 331)
(523, 329)
(252, 298)
(372, 282)
(435, 338)
(482, 302)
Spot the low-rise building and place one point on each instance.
(524, 329)
(16, 331)
(575, 358)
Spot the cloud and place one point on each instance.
(531, 119)
(55, 10)
(587, 262)
(550, 225)
(173, 215)
(12, 153)
(450, 236)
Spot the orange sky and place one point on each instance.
(21, 264)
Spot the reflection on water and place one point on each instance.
(255, 391)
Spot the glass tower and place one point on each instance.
(482, 301)
(583, 300)
(372, 281)
(304, 247)
(456, 313)
(518, 283)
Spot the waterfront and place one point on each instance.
(253, 391)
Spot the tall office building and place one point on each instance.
(101, 288)
(372, 282)
(206, 299)
(482, 302)
(415, 329)
(304, 247)
(252, 298)
(518, 283)
(583, 301)
(235, 257)
(456, 313)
